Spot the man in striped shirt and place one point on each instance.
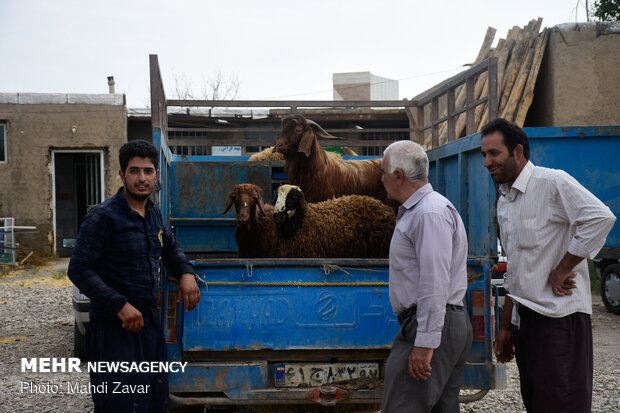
(549, 224)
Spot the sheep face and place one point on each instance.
(294, 127)
(299, 136)
(289, 202)
(247, 199)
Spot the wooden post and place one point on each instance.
(470, 113)
(528, 93)
(451, 119)
(434, 117)
(510, 111)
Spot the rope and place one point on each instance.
(296, 284)
(331, 268)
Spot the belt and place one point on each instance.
(410, 312)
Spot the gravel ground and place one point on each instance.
(37, 321)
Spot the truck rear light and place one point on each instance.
(171, 318)
(478, 321)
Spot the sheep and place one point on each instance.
(352, 226)
(267, 155)
(255, 232)
(320, 174)
(346, 151)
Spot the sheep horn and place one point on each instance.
(320, 132)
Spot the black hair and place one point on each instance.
(140, 148)
(513, 135)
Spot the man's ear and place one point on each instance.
(518, 151)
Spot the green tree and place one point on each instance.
(606, 10)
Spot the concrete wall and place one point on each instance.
(579, 79)
(33, 131)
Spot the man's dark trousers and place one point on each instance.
(108, 341)
(555, 361)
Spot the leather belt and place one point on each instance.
(411, 311)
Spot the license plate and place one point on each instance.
(301, 374)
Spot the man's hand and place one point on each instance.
(562, 282)
(420, 363)
(504, 347)
(562, 277)
(188, 292)
(131, 317)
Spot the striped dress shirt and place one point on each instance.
(428, 256)
(542, 216)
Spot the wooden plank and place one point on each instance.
(485, 48)
(510, 111)
(155, 91)
(502, 60)
(420, 133)
(277, 130)
(434, 116)
(451, 119)
(514, 67)
(413, 126)
(528, 93)
(293, 103)
(470, 114)
(246, 142)
(492, 93)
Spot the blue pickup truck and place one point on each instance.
(315, 333)
(305, 333)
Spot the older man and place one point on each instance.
(428, 281)
(548, 224)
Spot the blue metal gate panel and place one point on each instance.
(288, 307)
(198, 194)
(590, 154)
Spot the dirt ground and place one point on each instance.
(37, 321)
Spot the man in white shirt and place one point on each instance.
(548, 224)
(428, 280)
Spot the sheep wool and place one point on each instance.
(266, 155)
(352, 226)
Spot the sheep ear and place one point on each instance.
(229, 202)
(320, 132)
(307, 139)
(259, 202)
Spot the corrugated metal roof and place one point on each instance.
(62, 99)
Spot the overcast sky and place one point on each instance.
(276, 49)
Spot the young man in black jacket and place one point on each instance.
(115, 263)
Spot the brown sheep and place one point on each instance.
(351, 226)
(320, 174)
(255, 233)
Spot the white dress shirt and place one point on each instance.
(428, 257)
(542, 216)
